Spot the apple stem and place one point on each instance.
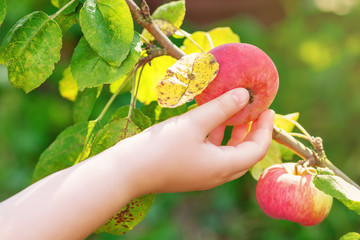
(306, 167)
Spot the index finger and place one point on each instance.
(213, 113)
(255, 146)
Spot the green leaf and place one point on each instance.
(151, 75)
(273, 156)
(136, 210)
(30, 50)
(187, 78)
(351, 236)
(173, 12)
(158, 114)
(129, 216)
(108, 27)
(67, 85)
(106, 138)
(137, 117)
(2, 10)
(66, 150)
(90, 70)
(168, 17)
(61, 3)
(65, 21)
(340, 189)
(84, 104)
(218, 36)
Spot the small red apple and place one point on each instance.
(286, 191)
(243, 65)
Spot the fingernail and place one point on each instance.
(241, 95)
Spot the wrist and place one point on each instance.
(130, 158)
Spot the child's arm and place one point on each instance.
(172, 156)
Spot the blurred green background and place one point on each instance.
(315, 45)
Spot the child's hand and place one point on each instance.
(177, 156)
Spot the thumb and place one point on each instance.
(211, 114)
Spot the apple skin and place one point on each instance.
(284, 194)
(243, 65)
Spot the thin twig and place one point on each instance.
(284, 138)
(152, 53)
(114, 96)
(133, 93)
(152, 28)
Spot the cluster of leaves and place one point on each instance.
(110, 54)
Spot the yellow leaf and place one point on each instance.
(187, 78)
(217, 36)
(67, 86)
(115, 85)
(151, 75)
(282, 122)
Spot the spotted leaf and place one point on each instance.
(187, 78)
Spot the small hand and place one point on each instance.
(178, 156)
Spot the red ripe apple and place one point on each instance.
(286, 191)
(243, 65)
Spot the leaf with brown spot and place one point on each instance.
(129, 216)
(136, 210)
(30, 50)
(187, 78)
(152, 73)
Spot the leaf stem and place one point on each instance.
(299, 135)
(133, 93)
(138, 84)
(210, 40)
(61, 9)
(144, 39)
(108, 104)
(298, 125)
(188, 36)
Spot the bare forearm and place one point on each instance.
(72, 203)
